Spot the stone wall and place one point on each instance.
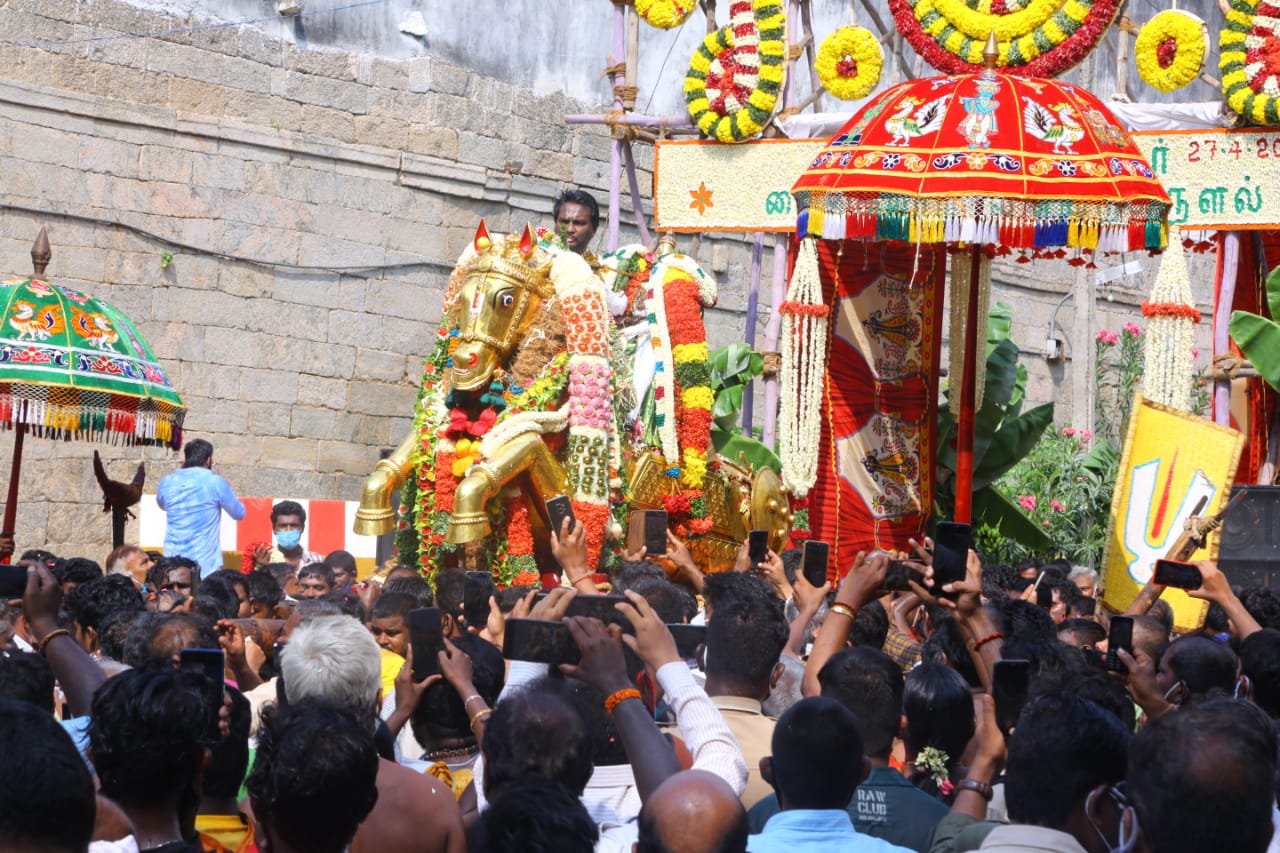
(313, 202)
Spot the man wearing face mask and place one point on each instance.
(288, 520)
(194, 498)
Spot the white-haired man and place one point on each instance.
(335, 657)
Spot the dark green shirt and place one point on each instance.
(885, 806)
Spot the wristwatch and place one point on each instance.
(982, 789)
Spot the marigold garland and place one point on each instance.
(849, 63)
(1037, 38)
(664, 14)
(1171, 309)
(735, 75)
(1249, 59)
(1170, 50)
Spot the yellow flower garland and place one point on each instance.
(760, 72)
(1251, 87)
(1191, 44)
(664, 14)
(858, 46)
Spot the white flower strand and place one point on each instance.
(1169, 368)
(803, 373)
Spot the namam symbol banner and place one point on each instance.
(1171, 460)
(876, 457)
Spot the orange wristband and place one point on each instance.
(618, 698)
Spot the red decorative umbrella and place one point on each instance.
(984, 160)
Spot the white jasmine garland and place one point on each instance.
(802, 374)
(1169, 370)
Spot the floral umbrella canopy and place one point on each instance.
(985, 158)
(73, 367)
(993, 162)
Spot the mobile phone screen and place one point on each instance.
(757, 547)
(1179, 575)
(655, 532)
(813, 562)
(13, 582)
(897, 576)
(539, 641)
(426, 633)
(475, 599)
(1119, 637)
(951, 543)
(688, 638)
(210, 664)
(1010, 681)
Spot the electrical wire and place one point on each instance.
(196, 29)
(226, 256)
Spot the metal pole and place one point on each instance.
(753, 310)
(772, 332)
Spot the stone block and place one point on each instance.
(160, 163)
(321, 251)
(308, 288)
(354, 327)
(322, 92)
(235, 348)
(271, 386)
(193, 96)
(380, 366)
(377, 398)
(386, 131)
(269, 419)
(403, 299)
(288, 453)
(212, 381)
(218, 172)
(449, 79)
(245, 280)
(50, 146)
(209, 308)
(345, 457)
(109, 157)
(217, 415)
(325, 123)
(320, 391)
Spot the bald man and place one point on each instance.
(692, 812)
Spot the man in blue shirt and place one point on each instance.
(816, 765)
(194, 498)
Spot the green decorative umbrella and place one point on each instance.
(73, 367)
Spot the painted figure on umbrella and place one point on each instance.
(980, 121)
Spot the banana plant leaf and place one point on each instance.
(1014, 440)
(993, 509)
(735, 447)
(1259, 340)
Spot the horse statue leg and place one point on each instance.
(524, 453)
(375, 515)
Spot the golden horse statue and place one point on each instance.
(532, 391)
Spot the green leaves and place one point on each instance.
(733, 367)
(1259, 340)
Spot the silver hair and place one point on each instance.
(1081, 571)
(334, 657)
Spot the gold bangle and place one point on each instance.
(479, 714)
(57, 632)
(844, 610)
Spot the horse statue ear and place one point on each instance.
(527, 241)
(482, 240)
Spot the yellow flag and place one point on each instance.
(1171, 460)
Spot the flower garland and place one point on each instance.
(735, 76)
(1037, 38)
(849, 63)
(1249, 58)
(688, 513)
(802, 375)
(1168, 375)
(664, 14)
(1170, 50)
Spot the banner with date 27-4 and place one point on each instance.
(1228, 179)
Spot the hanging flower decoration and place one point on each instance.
(664, 14)
(1169, 372)
(735, 76)
(1170, 50)
(805, 340)
(849, 63)
(1037, 38)
(1249, 58)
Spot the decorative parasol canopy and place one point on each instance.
(74, 367)
(985, 158)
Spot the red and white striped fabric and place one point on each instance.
(328, 527)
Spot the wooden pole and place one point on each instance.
(968, 394)
(15, 472)
(753, 311)
(615, 157)
(1227, 268)
(772, 333)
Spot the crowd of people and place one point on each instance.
(804, 718)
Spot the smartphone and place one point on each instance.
(1120, 637)
(426, 634)
(813, 562)
(558, 509)
(1044, 594)
(1010, 681)
(475, 599)
(897, 577)
(688, 638)
(757, 547)
(211, 664)
(13, 582)
(647, 529)
(596, 607)
(951, 543)
(1180, 575)
(539, 641)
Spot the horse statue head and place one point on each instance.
(505, 289)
